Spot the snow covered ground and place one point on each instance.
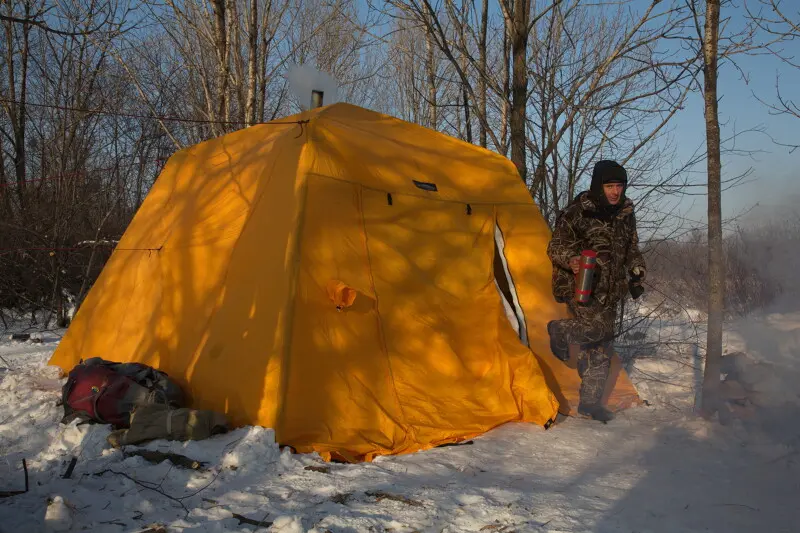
(655, 468)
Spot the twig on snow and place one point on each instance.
(201, 489)
(114, 523)
(146, 486)
(341, 498)
(380, 495)
(171, 466)
(70, 468)
(252, 522)
(176, 459)
(154, 528)
(736, 505)
(6, 494)
(782, 457)
(157, 487)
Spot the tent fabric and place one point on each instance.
(331, 275)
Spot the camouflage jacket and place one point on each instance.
(582, 226)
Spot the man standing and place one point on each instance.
(600, 219)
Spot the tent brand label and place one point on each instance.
(425, 186)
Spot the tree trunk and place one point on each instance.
(221, 49)
(4, 187)
(235, 59)
(483, 73)
(467, 118)
(519, 84)
(266, 48)
(252, 64)
(430, 69)
(465, 68)
(716, 288)
(19, 130)
(506, 89)
(16, 107)
(232, 42)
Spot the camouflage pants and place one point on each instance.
(594, 362)
(592, 327)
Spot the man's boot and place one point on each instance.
(595, 411)
(594, 363)
(558, 344)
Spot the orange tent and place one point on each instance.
(334, 275)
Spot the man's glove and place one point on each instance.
(635, 284)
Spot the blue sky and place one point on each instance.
(774, 170)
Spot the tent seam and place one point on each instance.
(429, 198)
(294, 269)
(381, 332)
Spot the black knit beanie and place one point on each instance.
(607, 171)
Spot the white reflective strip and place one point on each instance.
(501, 245)
(169, 423)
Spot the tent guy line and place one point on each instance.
(151, 117)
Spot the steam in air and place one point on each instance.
(312, 87)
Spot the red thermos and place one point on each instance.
(585, 276)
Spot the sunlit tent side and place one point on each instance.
(339, 276)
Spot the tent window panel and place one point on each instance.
(505, 284)
(500, 275)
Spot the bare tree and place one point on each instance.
(603, 85)
(430, 71)
(483, 68)
(517, 14)
(448, 26)
(716, 288)
(41, 15)
(17, 33)
(58, 198)
(782, 24)
(719, 42)
(777, 19)
(594, 80)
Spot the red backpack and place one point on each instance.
(102, 391)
